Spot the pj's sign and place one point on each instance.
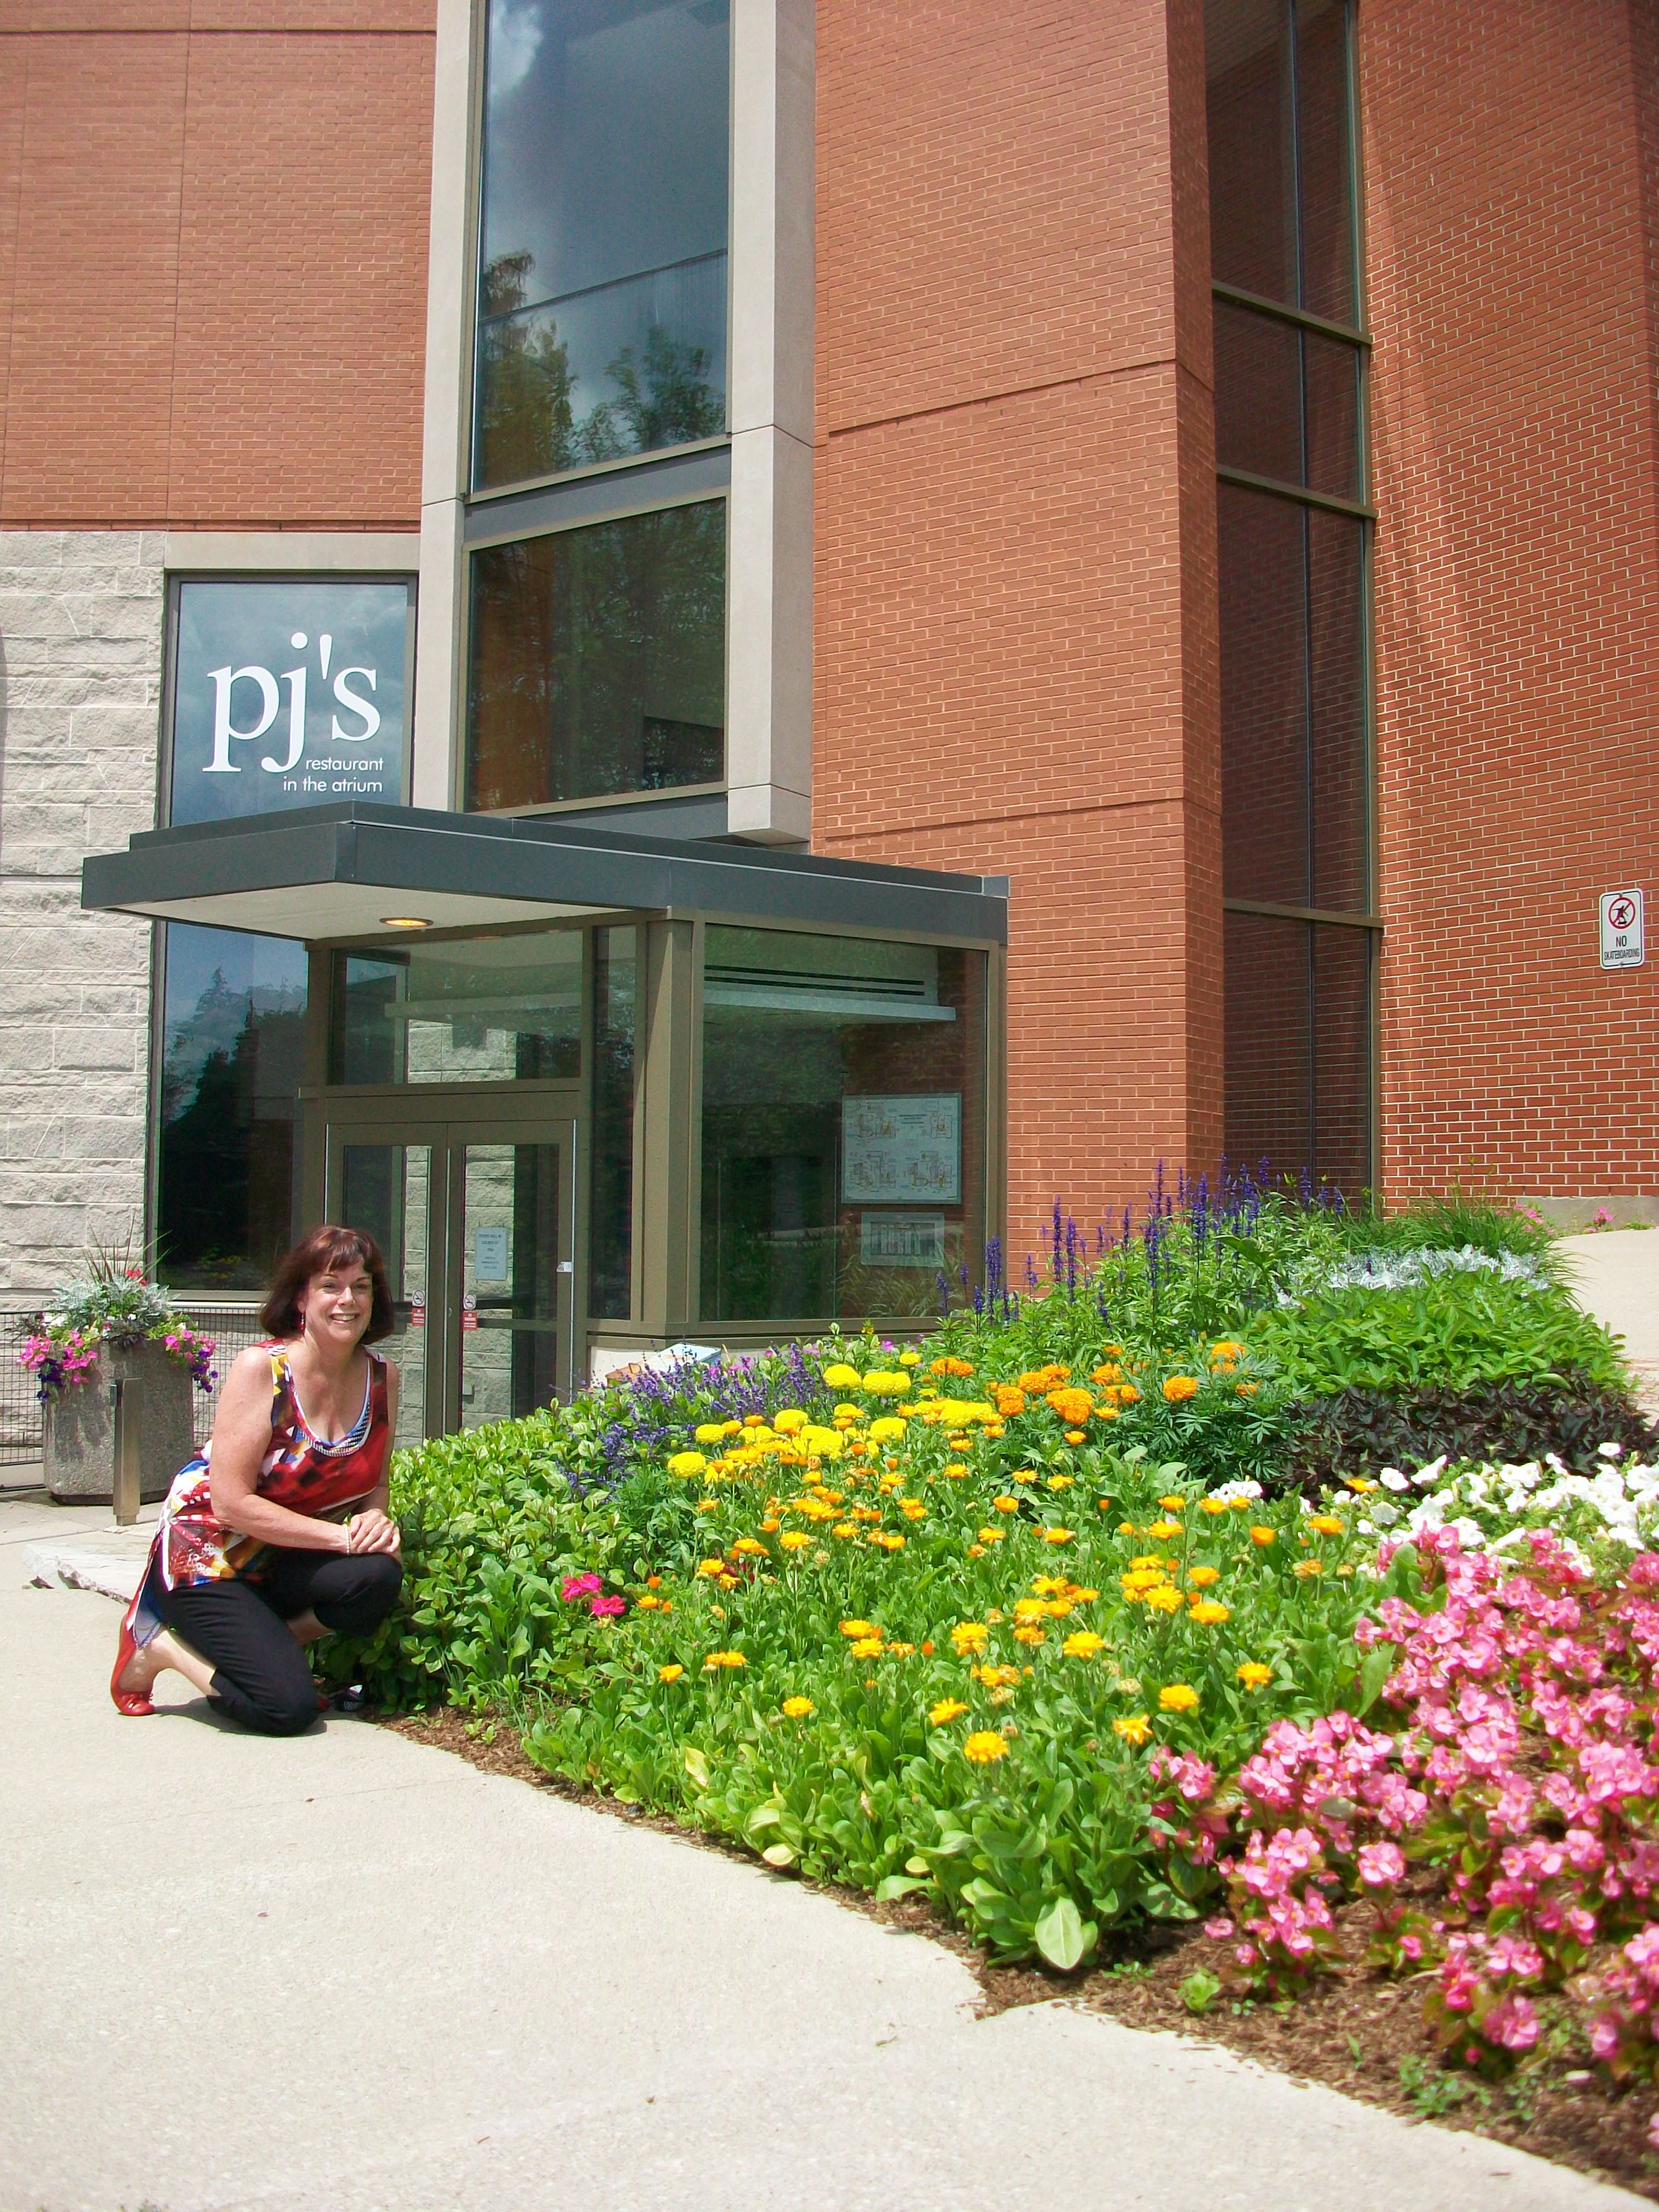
(288, 692)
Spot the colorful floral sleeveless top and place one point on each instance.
(307, 1474)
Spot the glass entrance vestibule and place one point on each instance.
(596, 1094)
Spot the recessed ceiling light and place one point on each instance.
(404, 921)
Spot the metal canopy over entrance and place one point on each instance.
(595, 1092)
(335, 872)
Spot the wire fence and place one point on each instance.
(232, 1328)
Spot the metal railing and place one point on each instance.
(232, 1328)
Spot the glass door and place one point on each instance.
(388, 1190)
(476, 1223)
(514, 1279)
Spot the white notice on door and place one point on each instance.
(902, 1148)
(490, 1255)
(1622, 929)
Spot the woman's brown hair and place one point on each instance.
(325, 1250)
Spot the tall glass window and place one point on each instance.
(232, 1040)
(610, 1242)
(1290, 359)
(604, 239)
(844, 1125)
(599, 660)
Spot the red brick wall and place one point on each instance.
(1510, 171)
(1015, 625)
(213, 228)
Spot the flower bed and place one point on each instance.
(1030, 1640)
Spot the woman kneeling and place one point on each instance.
(278, 1533)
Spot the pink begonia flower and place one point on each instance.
(575, 1586)
(1219, 1928)
(1511, 2023)
(606, 1608)
(1381, 1865)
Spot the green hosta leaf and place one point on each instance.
(778, 1855)
(915, 1865)
(1064, 1936)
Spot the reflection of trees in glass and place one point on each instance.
(229, 1076)
(527, 423)
(598, 660)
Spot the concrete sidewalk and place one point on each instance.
(1615, 1274)
(345, 1973)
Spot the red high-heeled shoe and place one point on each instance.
(133, 1703)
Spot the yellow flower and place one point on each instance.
(1057, 1535)
(1005, 1504)
(1226, 1350)
(1133, 1727)
(790, 1422)
(990, 1536)
(1166, 1598)
(983, 1747)
(797, 1709)
(794, 1539)
(858, 1630)
(1178, 1386)
(1029, 1608)
(1173, 1504)
(887, 1383)
(1128, 1394)
(726, 1659)
(844, 1530)
(1058, 1608)
(911, 1358)
(889, 1543)
(708, 1433)
(711, 1566)
(913, 1508)
(1201, 1577)
(750, 1547)
(841, 1376)
(1254, 1675)
(1124, 1528)
(1211, 1505)
(1061, 1481)
(1209, 1612)
(1164, 1530)
(888, 1430)
(969, 1636)
(670, 1674)
(956, 1469)
(687, 1463)
(1264, 1536)
(1178, 1698)
(900, 1651)
(1028, 1632)
(1084, 1644)
(996, 1678)
(1326, 1525)
(947, 1709)
(1305, 1568)
(648, 1602)
(1246, 1390)
(867, 1647)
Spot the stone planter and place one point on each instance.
(79, 1442)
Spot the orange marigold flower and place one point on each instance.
(1128, 1394)
(1037, 1380)
(1201, 1577)
(1008, 1398)
(1073, 1406)
(1108, 1371)
(1178, 1386)
(1264, 1536)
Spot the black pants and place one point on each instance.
(261, 1677)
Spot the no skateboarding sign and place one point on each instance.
(1623, 941)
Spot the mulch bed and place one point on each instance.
(1357, 2032)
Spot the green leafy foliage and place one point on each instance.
(1449, 1332)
